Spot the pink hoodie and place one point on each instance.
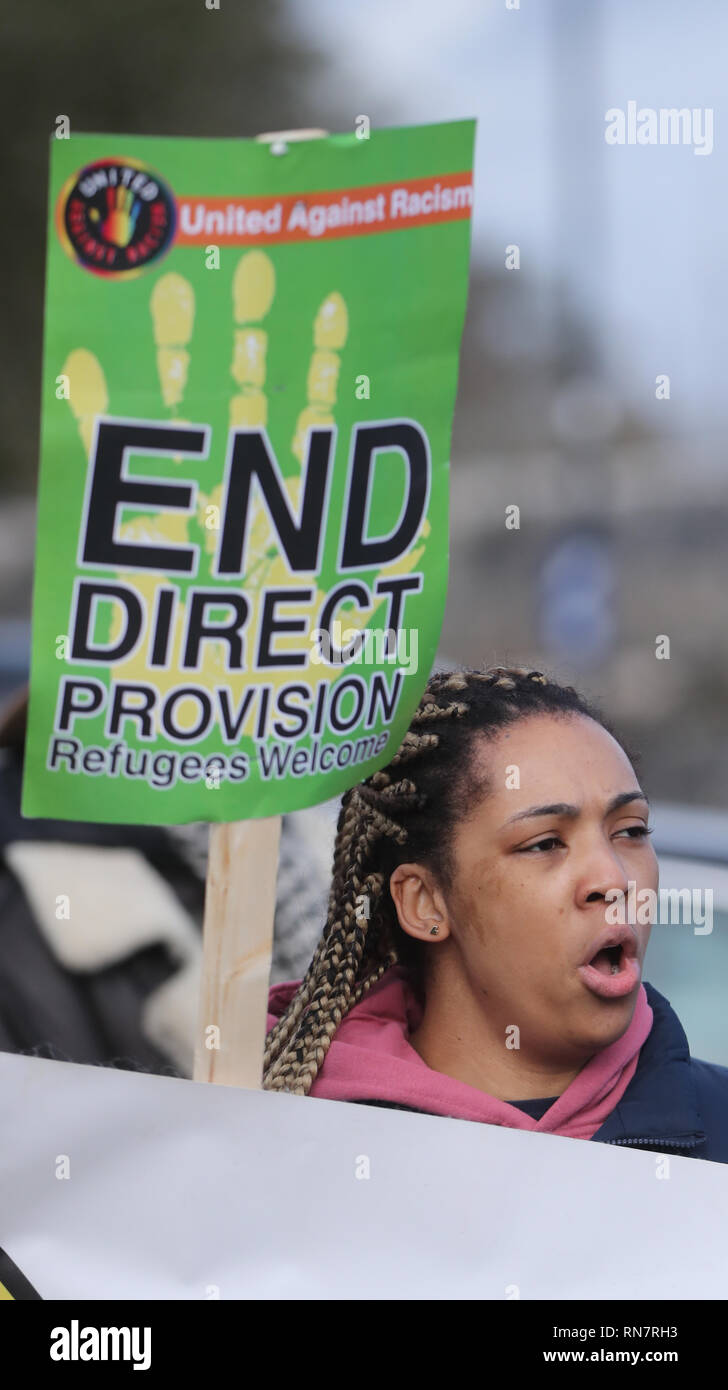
(370, 1058)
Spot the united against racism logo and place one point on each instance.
(115, 217)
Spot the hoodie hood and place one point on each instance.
(370, 1058)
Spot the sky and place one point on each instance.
(633, 236)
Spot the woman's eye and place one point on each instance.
(544, 845)
(635, 832)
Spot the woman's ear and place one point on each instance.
(419, 903)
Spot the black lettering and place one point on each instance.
(408, 439)
(162, 626)
(378, 696)
(88, 591)
(397, 588)
(342, 723)
(110, 489)
(198, 630)
(270, 625)
(252, 459)
(70, 708)
(284, 707)
(184, 692)
(120, 710)
(232, 729)
(64, 748)
(361, 594)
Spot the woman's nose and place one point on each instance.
(601, 872)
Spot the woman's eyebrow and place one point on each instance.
(564, 808)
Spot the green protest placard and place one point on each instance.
(249, 376)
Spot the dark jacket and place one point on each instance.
(674, 1103)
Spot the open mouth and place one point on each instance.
(612, 973)
(608, 961)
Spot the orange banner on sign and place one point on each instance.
(385, 207)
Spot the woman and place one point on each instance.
(473, 964)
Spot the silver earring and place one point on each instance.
(434, 930)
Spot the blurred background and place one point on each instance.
(623, 279)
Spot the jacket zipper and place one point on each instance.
(655, 1139)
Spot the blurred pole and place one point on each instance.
(579, 214)
(576, 590)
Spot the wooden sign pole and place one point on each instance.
(240, 900)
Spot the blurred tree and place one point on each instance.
(170, 67)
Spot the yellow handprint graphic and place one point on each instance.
(122, 211)
(172, 306)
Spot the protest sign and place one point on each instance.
(250, 367)
(115, 1185)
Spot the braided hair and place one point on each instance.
(406, 812)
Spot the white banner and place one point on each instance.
(116, 1185)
